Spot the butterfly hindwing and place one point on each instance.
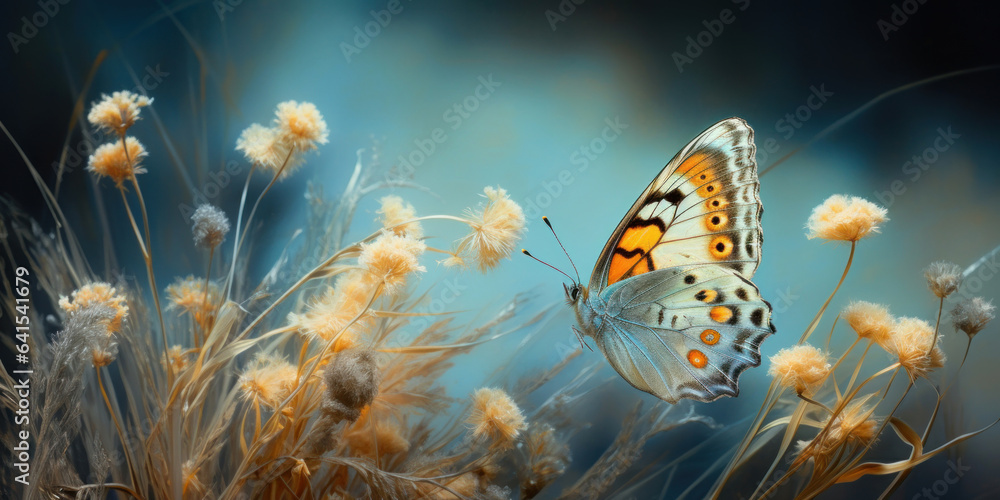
(703, 207)
(684, 332)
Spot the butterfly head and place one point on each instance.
(575, 293)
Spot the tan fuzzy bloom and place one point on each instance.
(188, 294)
(390, 259)
(496, 228)
(912, 341)
(495, 416)
(803, 367)
(97, 294)
(300, 124)
(845, 218)
(268, 380)
(395, 212)
(870, 321)
(387, 436)
(178, 359)
(265, 148)
(853, 426)
(943, 278)
(117, 112)
(111, 160)
(330, 314)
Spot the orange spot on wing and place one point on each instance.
(689, 163)
(710, 337)
(697, 358)
(716, 221)
(710, 189)
(721, 314)
(720, 247)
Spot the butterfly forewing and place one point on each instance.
(703, 207)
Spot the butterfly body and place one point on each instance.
(670, 303)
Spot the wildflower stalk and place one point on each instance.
(819, 315)
(237, 240)
(121, 435)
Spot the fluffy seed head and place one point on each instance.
(943, 278)
(496, 228)
(268, 380)
(390, 258)
(915, 344)
(97, 294)
(111, 160)
(328, 316)
(188, 294)
(853, 426)
(351, 379)
(845, 218)
(495, 416)
(803, 367)
(117, 112)
(210, 226)
(394, 212)
(369, 433)
(264, 147)
(300, 124)
(870, 321)
(972, 315)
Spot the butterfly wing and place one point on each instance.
(703, 207)
(684, 332)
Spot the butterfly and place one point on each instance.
(670, 303)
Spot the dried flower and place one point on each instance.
(853, 426)
(117, 112)
(210, 226)
(391, 258)
(497, 226)
(845, 219)
(88, 323)
(300, 124)
(802, 366)
(943, 278)
(111, 160)
(383, 434)
(188, 294)
(972, 315)
(178, 358)
(97, 294)
(915, 344)
(395, 212)
(268, 380)
(351, 380)
(496, 416)
(546, 458)
(870, 321)
(330, 315)
(263, 147)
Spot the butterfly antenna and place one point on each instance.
(525, 252)
(547, 223)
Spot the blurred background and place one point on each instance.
(572, 108)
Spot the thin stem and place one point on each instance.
(236, 239)
(819, 315)
(118, 427)
(204, 300)
(152, 275)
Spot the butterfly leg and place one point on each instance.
(579, 336)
